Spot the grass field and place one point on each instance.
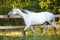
(16, 35)
(53, 37)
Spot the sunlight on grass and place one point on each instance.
(37, 31)
(13, 34)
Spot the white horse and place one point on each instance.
(32, 18)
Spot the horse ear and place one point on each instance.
(13, 7)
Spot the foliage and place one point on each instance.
(44, 3)
(48, 5)
(32, 5)
(6, 5)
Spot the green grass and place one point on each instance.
(30, 37)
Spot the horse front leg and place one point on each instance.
(43, 32)
(24, 30)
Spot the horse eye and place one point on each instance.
(16, 14)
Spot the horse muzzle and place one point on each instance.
(8, 15)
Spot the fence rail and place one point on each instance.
(16, 27)
(17, 16)
(5, 16)
(11, 27)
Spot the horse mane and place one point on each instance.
(23, 11)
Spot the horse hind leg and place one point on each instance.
(53, 25)
(45, 28)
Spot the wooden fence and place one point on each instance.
(15, 27)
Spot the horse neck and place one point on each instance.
(22, 14)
